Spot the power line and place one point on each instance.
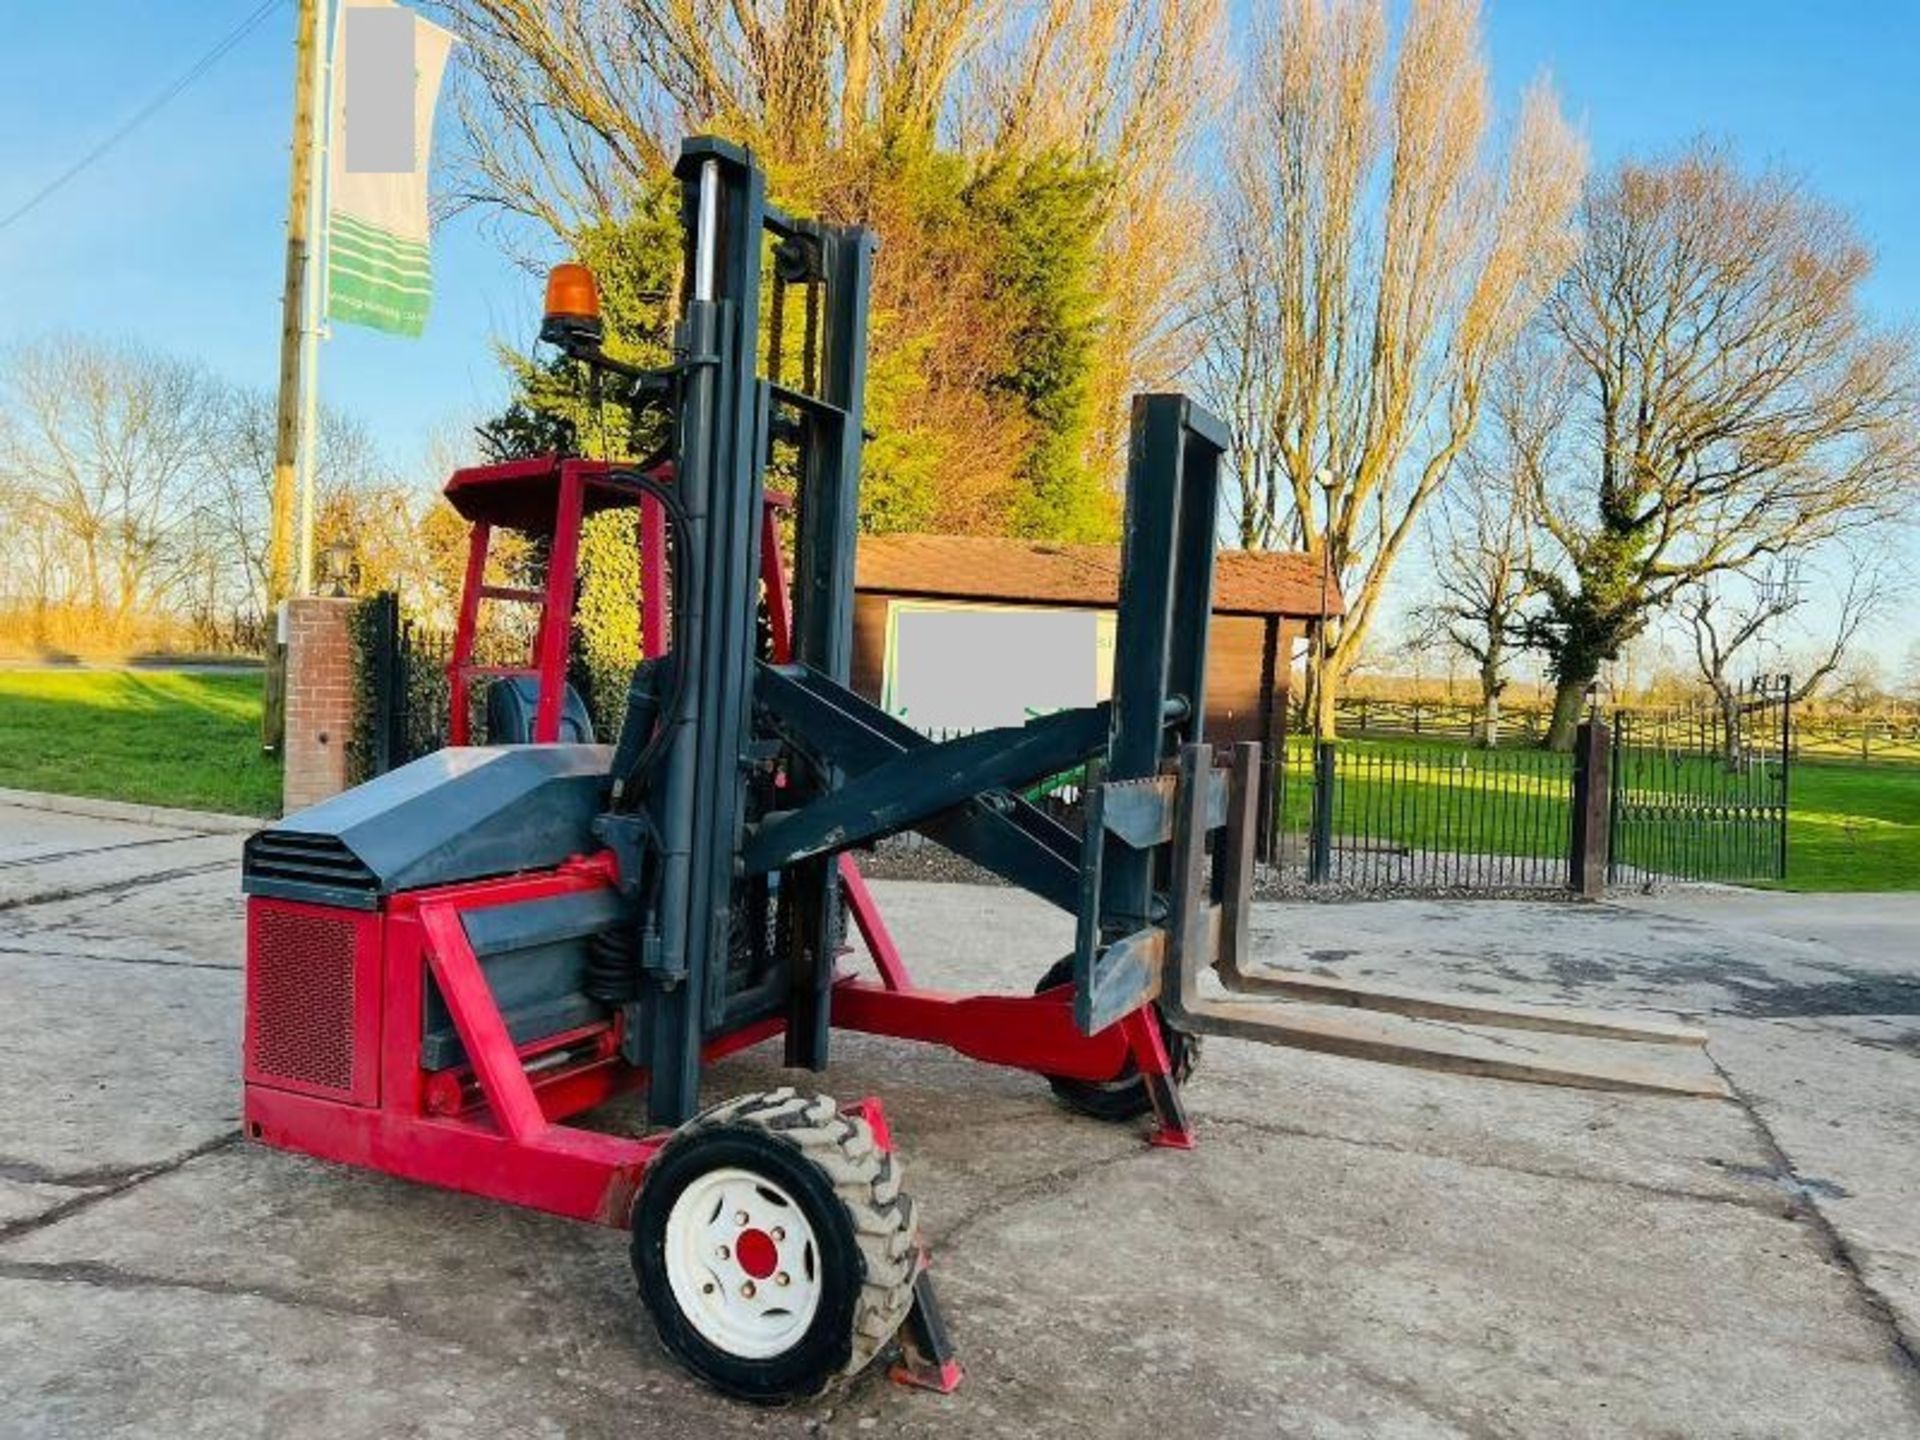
(146, 112)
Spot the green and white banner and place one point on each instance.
(387, 67)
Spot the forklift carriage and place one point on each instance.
(448, 963)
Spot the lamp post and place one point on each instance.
(338, 572)
(1324, 478)
(1320, 833)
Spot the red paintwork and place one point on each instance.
(875, 1114)
(504, 1137)
(941, 1379)
(524, 495)
(873, 930)
(1026, 1032)
(544, 496)
(363, 1001)
(757, 1254)
(548, 496)
(494, 1126)
(449, 1092)
(774, 580)
(511, 1146)
(653, 577)
(493, 1129)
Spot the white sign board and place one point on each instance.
(956, 668)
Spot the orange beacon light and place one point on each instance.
(572, 316)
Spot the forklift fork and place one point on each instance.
(1206, 927)
(1166, 864)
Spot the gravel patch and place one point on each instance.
(1494, 877)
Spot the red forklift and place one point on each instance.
(455, 964)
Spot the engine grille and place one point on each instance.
(300, 995)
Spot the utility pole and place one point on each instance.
(1325, 478)
(293, 351)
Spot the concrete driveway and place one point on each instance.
(1353, 1251)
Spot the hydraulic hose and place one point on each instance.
(667, 713)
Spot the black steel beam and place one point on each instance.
(825, 532)
(1002, 832)
(917, 785)
(1159, 697)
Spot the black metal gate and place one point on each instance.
(401, 680)
(1701, 793)
(1407, 817)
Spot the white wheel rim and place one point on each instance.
(751, 1297)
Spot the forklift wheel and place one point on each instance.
(773, 1246)
(1125, 1096)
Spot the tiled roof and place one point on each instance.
(1006, 571)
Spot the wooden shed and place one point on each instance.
(957, 632)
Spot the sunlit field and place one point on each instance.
(156, 737)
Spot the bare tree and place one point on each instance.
(1858, 686)
(108, 444)
(1733, 617)
(235, 504)
(1128, 86)
(137, 487)
(1481, 544)
(1910, 673)
(1378, 256)
(1732, 401)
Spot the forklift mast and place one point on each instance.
(847, 773)
(725, 419)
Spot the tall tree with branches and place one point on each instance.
(1378, 254)
(1728, 401)
(942, 123)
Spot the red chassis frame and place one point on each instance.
(495, 1125)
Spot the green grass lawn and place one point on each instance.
(1443, 798)
(1850, 826)
(1853, 827)
(154, 736)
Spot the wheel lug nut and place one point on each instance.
(747, 1289)
(740, 1217)
(783, 1278)
(724, 1253)
(778, 1234)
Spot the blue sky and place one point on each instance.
(176, 237)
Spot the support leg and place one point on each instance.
(1172, 1130)
(927, 1358)
(873, 930)
(926, 1348)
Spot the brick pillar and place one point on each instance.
(319, 701)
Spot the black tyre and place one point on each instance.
(1125, 1096)
(773, 1246)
